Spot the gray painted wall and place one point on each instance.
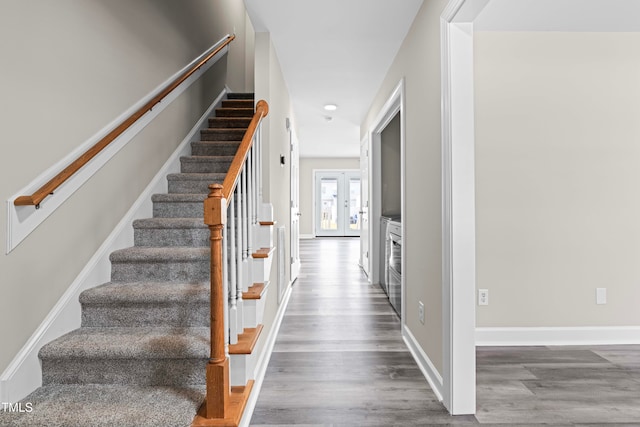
(270, 86)
(557, 172)
(418, 62)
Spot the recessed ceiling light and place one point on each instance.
(331, 107)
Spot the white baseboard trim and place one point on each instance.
(307, 236)
(263, 363)
(424, 363)
(596, 335)
(24, 374)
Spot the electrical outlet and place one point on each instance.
(483, 296)
(421, 311)
(601, 295)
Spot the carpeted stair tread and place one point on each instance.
(130, 343)
(180, 204)
(213, 178)
(229, 122)
(171, 232)
(238, 103)
(240, 95)
(145, 292)
(98, 405)
(205, 164)
(210, 148)
(179, 198)
(166, 223)
(208, 159)
(151, 254)
(135, 304)
(234, 112)
(222, 134)
(192, 183)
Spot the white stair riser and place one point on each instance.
(242, 368)
(266, 212)
(254, 311)
(261, 269)
(246, 274)
(265, 236)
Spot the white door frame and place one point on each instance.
(365, 232)
(394, 105)
(458, 206)
(294, 196)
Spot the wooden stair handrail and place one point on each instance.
(231, 179)
(55, 182)
(218, 394)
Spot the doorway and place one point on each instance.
(337, 203)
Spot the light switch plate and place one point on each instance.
(601, 295)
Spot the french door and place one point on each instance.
(337, 203)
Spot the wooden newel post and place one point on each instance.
(218, 388)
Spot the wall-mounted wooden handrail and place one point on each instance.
(55, 182)
(230, 180)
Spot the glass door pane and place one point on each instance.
(354, 206)
(329, 204)
(337, 203)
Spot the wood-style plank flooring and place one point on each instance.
(339, 360)
(596, 385)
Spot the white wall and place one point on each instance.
(270, 86)
(418, 61)
(557, 173)
(69, 68)
(307, 166)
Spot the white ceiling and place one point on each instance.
(333, 51)
(338, 51)
(560, 15)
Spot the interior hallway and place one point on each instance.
(339, 358)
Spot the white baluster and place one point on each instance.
(238, 264)
(250, 204)
(245, 241)
(225, 285)
(252, 153)
(246, 254)
(231, 267)
(256, 204)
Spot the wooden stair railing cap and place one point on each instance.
(47, 189)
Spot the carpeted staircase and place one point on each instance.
(139, 358)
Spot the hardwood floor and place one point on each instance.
(339, 360)
(598, 385)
